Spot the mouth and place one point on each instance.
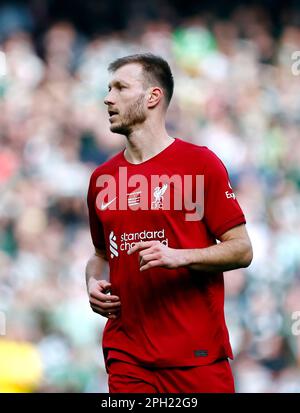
(112, 113)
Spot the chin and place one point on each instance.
(121, 129)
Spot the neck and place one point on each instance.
(145, 142)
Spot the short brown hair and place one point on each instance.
(155, 69)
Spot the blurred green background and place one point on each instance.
(235, 92)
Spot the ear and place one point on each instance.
(154, 96)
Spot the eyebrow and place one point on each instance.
(118, 83)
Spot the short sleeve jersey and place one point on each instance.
(183, 198)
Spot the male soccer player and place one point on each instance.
(156, 212)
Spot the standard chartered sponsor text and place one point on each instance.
(129, 239)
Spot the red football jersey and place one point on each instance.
(169, 317)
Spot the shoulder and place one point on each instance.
(199, 153)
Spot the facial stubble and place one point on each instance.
(134, 115)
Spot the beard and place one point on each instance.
(134, 115)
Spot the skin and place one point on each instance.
(139, 114)
(141, 111)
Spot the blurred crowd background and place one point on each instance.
(235, 92)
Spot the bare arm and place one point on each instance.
(95, 267)
(98, 287)
(234, 251)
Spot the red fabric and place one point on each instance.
(129, 378)
(168, 317)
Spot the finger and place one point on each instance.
(104, 297)
(109, 315)
(98, 312)
(104, 285)
(106, 305)
(146, 258)
(151, 264)
(146, 251)
(105, 312)
(141, 245)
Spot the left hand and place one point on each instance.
(155, 254)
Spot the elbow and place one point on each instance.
(247, 255)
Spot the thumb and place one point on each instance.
(104, 285)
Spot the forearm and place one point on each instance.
(95, 268)
(99, 288)
(224, 256)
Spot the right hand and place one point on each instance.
(101, 302)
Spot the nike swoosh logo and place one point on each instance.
(104, 206)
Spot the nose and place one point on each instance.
(108, 100)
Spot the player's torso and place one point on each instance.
(151, 202)
(156, 201)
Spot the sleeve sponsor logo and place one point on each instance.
(230, 194)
